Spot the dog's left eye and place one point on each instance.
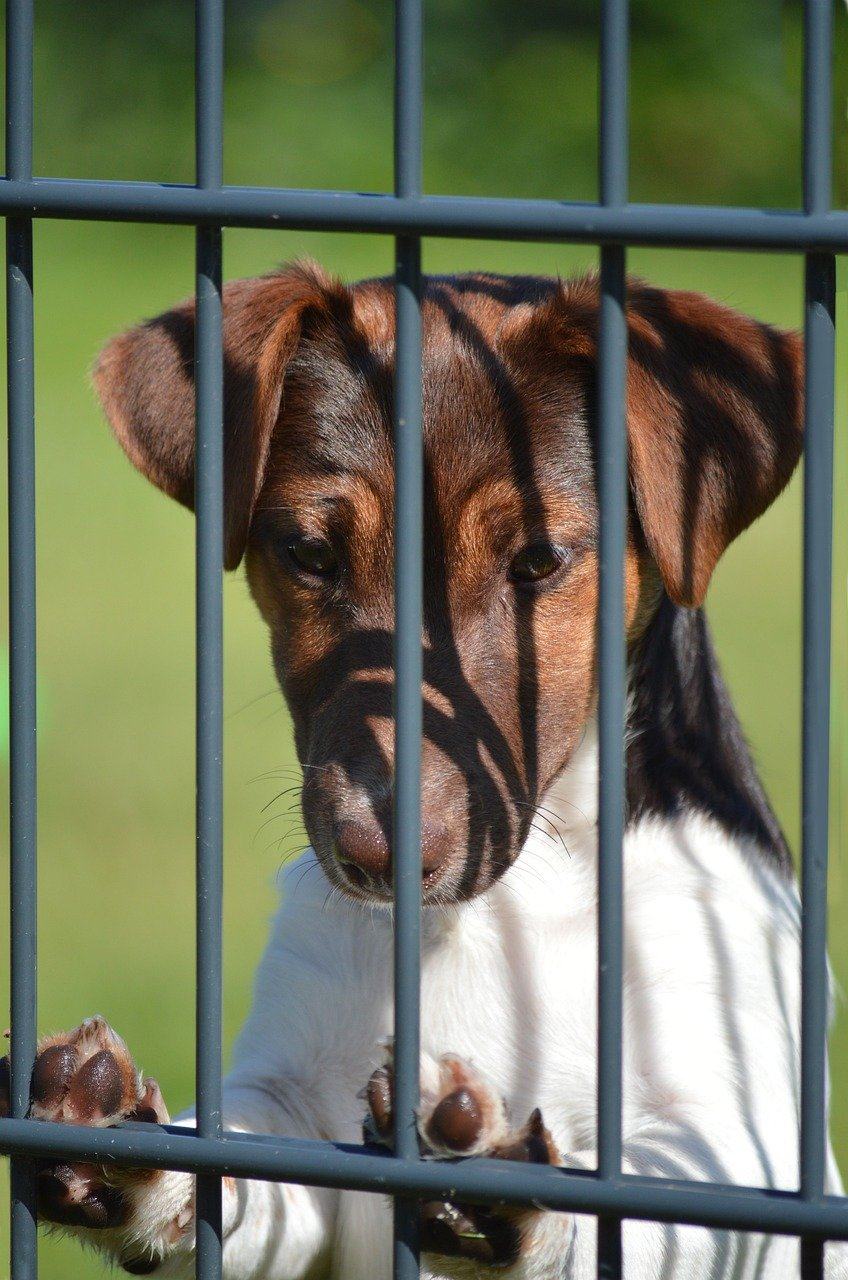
(535, 563)
(314, 556)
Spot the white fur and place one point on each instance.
(711, 1048)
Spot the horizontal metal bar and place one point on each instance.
(474, 217)
(325, 1164)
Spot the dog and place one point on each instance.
(509, 774)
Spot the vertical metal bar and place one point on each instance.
(819, 330)
(409, 544)
(22, 627)
(614, 161)
(612, 495)
(209, 504)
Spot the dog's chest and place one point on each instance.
(509, 982)
(513, 991)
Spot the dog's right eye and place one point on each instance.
(314, 556)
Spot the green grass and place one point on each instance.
(116, 657)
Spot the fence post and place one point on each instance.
(819, 333)
(209, 504)
(23, 771)
(612, 507)
(409, 550)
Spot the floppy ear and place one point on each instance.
(715, 427)
(145, 380)
(714, 419)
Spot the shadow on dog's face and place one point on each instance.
(510, 533)
(510, 515)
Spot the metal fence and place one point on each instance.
(816, 231)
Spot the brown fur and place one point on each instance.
(714, 410)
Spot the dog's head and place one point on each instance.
(511, 521)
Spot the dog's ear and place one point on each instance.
(714, 418)
(715, 427)
(145, 380)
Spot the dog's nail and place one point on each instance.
(139, 1266)
(5, 1087)
(378, 1092)
(150, 1108)
(104, 1207)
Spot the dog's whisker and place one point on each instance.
(294, 840)
(253, 701)
(289, 852)
(312, 865)
(275, 817)
(279, 796)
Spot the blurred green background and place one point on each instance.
(511, 110)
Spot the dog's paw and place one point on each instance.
(87, 1077)
(462, 1115)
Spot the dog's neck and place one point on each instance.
(685, 751)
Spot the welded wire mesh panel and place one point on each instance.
(816, 231)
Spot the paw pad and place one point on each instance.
(52, 1075)
(456, 1122)
(86, 1076)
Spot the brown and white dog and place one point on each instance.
(509, 771)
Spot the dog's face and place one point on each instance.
(510, 570)
(511, 522)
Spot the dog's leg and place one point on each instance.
(144, 1219)
(462, 1115)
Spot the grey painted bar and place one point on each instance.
(819, 331)
(209, 502)
(484, 1181)
(481, 218)
(612, 495)
(23, 767)
(409, 550)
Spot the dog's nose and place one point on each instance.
(363, 851)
